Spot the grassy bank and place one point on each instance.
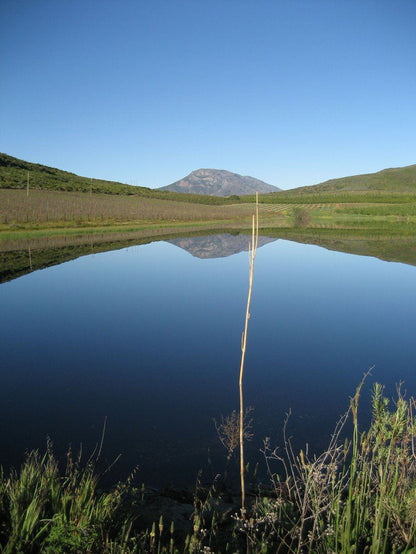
(359, 495)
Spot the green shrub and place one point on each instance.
(301, 217)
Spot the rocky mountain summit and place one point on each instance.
(218, 182)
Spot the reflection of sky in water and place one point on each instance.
(150, 337)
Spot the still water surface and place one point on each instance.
(149, 338)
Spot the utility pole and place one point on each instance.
(27, 184)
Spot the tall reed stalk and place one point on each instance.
(252, 255)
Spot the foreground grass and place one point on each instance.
(358, 496)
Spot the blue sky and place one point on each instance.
(143, 92)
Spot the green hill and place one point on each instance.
(400, 179)
(14, 174)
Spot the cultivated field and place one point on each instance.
(47, 207)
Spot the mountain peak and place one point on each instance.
(219, 182)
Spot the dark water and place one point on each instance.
(149, 337)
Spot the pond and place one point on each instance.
(147, 339)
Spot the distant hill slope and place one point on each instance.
(14, 174)
(218, 182)
(400, 179)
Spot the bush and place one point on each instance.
(301, 217)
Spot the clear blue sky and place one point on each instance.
(291, 92)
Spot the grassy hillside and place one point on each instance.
(400, 179)
(14, 174)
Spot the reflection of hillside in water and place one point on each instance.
(217, 246)
(20, 257)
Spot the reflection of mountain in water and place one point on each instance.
(18, 258)
(217, 246)
(21, 257)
